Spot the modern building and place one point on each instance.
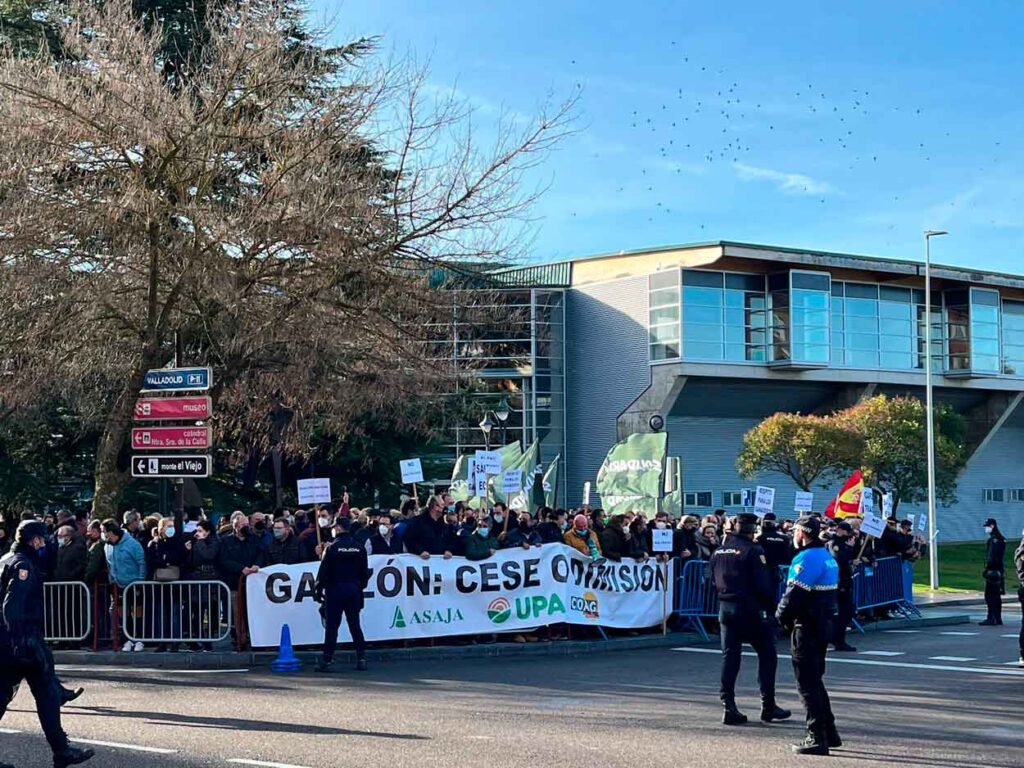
(717, 336)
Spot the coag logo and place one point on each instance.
(587, 605)
(500, 610)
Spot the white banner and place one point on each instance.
(315, 490)
(410, 598)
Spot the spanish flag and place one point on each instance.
(847, 502)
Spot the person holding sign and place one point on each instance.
(807, 608)
(745, 596)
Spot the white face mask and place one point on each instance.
(988, 529)
(103, 536)
(661, 525)
(169, 533)
(499, 518)
(323, 522)
(384, 530)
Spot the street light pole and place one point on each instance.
(933, 549)
(486, 426)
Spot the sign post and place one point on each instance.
(177, 380)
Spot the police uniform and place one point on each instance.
(843, 553)
(23, 652)
(745, 600)
(808, 608)
(343, 576)
(778, 551)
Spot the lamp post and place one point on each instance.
(933, 550)
(486, 426)
(502, 414)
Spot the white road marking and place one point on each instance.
(902, 632)
(951, 658)
(896, 664)
(961, 634)
(262, 764)
(149, 670)
(882, 653)
(9, 731)
(1009, 635)
(132, 747)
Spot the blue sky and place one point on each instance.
(801, 124)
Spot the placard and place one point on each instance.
(867, 501)
(412, 471)
(661, 539)
(315, 490)
(480, 486)
(922, 523)
(764, 501)
(488, 462)
(887, 505)
(913, 520)
(586, 494)
(872, 526)
(804, 502)
(511, 481)
(747, 498)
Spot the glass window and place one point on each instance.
(697, 499)
(1013, 338)
(732, 499)
(724, 316)
(663, 315)
(994, 495)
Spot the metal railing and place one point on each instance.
(176, 611)
(67, 611)
(884, 585)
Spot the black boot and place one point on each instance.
(812, 745)
(324, 666)
(732, 716)
(845, 648)
(832, 737)
(989, 622)
(361, 664)
(71, 756)
(771, 711)
(6, 765)
(67, 695)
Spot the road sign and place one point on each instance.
(164, 408)
(177, 380)
(171, 466)
(152, 438)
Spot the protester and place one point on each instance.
(284, 545)
(240, 554)
(165, 557)
(636, 538)
(203, 553)
(384, 541)
(582, 539)
(614, 544)
(133, 525)
(524, 533)
(706, 541)
(994, 574)
(841, 548)
(126, 560)
(71, 555)
(553, 527)
(96, 561)
(482, 544)
(427, 534)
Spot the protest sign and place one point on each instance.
(412, 471)
(764, 500)
(314, 490)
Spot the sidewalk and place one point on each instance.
(925, 598)
(249, 659)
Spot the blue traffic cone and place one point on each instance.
(285, 661)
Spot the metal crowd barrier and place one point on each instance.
(176, 611)
(67, 611)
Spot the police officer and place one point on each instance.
(745, 598)
(807, 608)
(840, 546)
(23, 652)
(994, 574)
(1018, 563)
(343, 576)
(778, 551)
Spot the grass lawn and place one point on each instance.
(960, 566)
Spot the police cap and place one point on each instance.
(808, 524)
(28, 530)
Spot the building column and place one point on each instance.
(659, 397)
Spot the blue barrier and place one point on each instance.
(889, 582)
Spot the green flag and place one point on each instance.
(673, 504)
(631, 476)
(527, 463)
(551, 483)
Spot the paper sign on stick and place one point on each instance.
(764, 501)
(412, 471)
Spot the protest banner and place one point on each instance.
(764, 500)
(804, 502)
(412, 471)
(410, 598)
(314, 490)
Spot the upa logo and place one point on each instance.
(500, 610)
(587, 605)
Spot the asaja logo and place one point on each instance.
(398, 620)
(430, 616)
(500, 610)
(587, 605)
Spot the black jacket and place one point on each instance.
(614, 545)
(844, 556)
(995, 553)
(236, 554)
(741, 575)
(21, 598)
(549, 533)
(165, 553)
(1018, 563)
(380, 546)
(284, 551)
(425, 534)
(203, 557)
(777, 546)
(344, 570)
(71, 560)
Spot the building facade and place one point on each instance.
(715, 337)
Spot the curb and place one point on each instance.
(232, 660)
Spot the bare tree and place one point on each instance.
(282, 209)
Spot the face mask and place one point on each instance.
(564, 526)
(259, 525)
(169, 533)
(103, 536)
(279, 533)
(62, 542)
(483, 531)
(988, 529)
(661, 526)
(243, 531)
(499, 518)
(191, 527)
(581, 531)
(384, 530)
(451, 508)
(323, 522)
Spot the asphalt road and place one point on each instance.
(941, 697)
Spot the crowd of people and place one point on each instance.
(150, 548)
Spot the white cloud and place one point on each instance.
(789, 183)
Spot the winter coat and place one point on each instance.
(425, 534)
(71, 560)
(614, 545)
(284, 551)
(165, 553)
(95, 564)
(126, 561)
(236, 554)
(479, 548)
(201, 563)
(580, 543)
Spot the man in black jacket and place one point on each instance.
(613, 539)
(745, 596)
(383, 541)
(23, 652)
(427, 534)
(994, 574)
(554, 526)
(240, 553)
(71, 555)
(342, 578)
(284, 545)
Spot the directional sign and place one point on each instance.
(152, 438)
(171, 466)
(177, 380)
(165, 408)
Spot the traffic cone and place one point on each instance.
(285, 661)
